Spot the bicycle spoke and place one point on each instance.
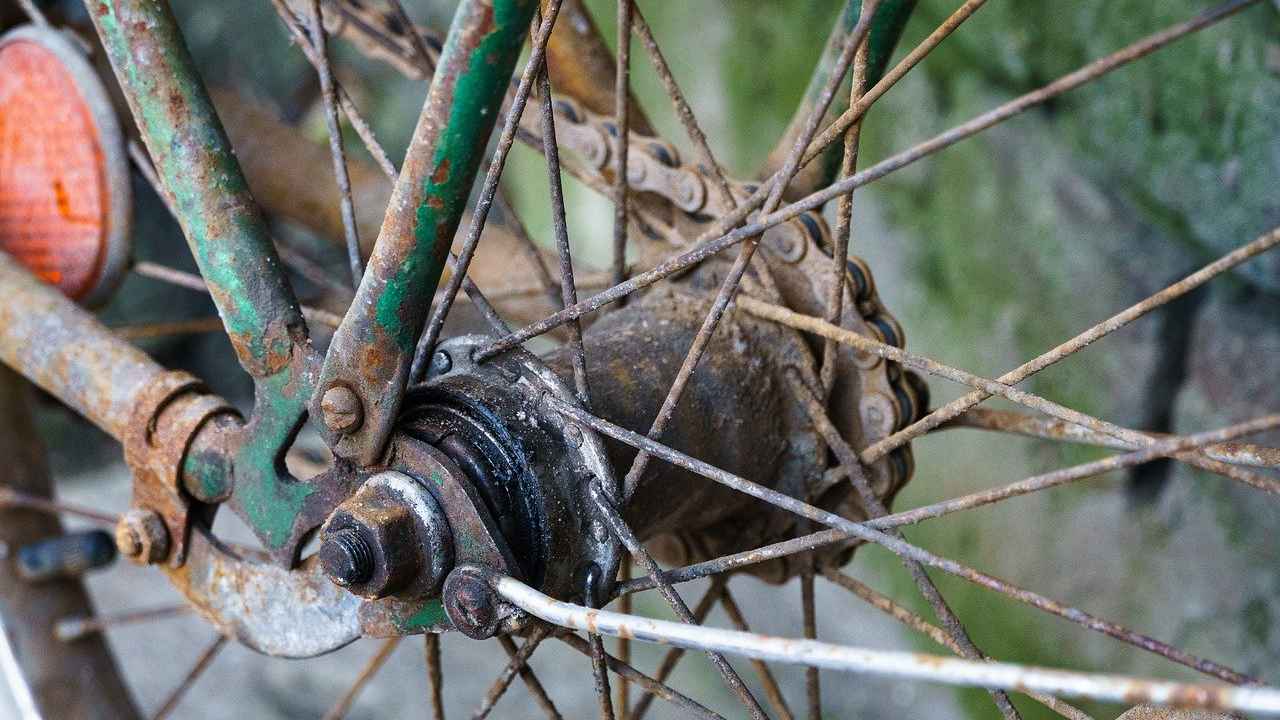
(343, 706)
(719, 238)
(621, 116)
(729, 285)
(771, 689)
(143, 331)
(672, 657)
(70, 629)
(424, 54)
(532, 69)
(435, 674)
(1079, 342)
(858, 106)
(624, 646)
(319, 41)
(874, 508)
(1016, 423)
(294, 25)
(952, 671)
(530, 680)
(886, 605)
(509, 672)
(33, 13)
(568, 289)
(809, 622)
(10, 498)
(620, 530)
(1035, 483)
(647, 683)
(202, 663)
(866, 532)
(1132, 438)
(191, 281)
(600, 671)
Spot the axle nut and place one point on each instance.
(342, 409)
(142, 537)
(389, 538)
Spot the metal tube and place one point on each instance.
(909, 666)
(62, 348)
(227, 234)
(372, 350)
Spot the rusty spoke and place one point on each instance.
(300, 36)
(531, 72)
(10, 498)
(720, 236)
(672, 657)
(867, 532)
(568, 289)
(638, 552)
(319, 41)
(517, 662)
(191, 281)
(70, 629)
(435, 674)
(1017, 423)
(424, 53)
(1029, 485)
(1079, 342)
(621, 116)
(1132, 438)
(887, 606)
(646, 683)
(733, 278)
(367, 673)
(859, 105)
(771, 689)
(202, 663)
(853, 468)
(529, 678)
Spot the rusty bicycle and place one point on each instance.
(515, 445)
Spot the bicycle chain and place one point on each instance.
(892, 399)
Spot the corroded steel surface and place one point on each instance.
(372, 349)
(64, 187)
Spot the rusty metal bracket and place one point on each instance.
(168, 413)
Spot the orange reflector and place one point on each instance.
(64, 185)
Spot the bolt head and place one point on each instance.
(342, 409)
(470, 603)
(142, 536)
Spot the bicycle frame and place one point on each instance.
(66, 351)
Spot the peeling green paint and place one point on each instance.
(459, 149)
(430, 615)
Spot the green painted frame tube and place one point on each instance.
(372, 349)
(193, 157)
(233, 249)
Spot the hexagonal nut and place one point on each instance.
(386, 530)
(142, 536)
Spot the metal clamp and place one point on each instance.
(168, 413)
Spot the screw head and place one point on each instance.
(142, 537)
(470, 603)
(347, 557)
(342, 409)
